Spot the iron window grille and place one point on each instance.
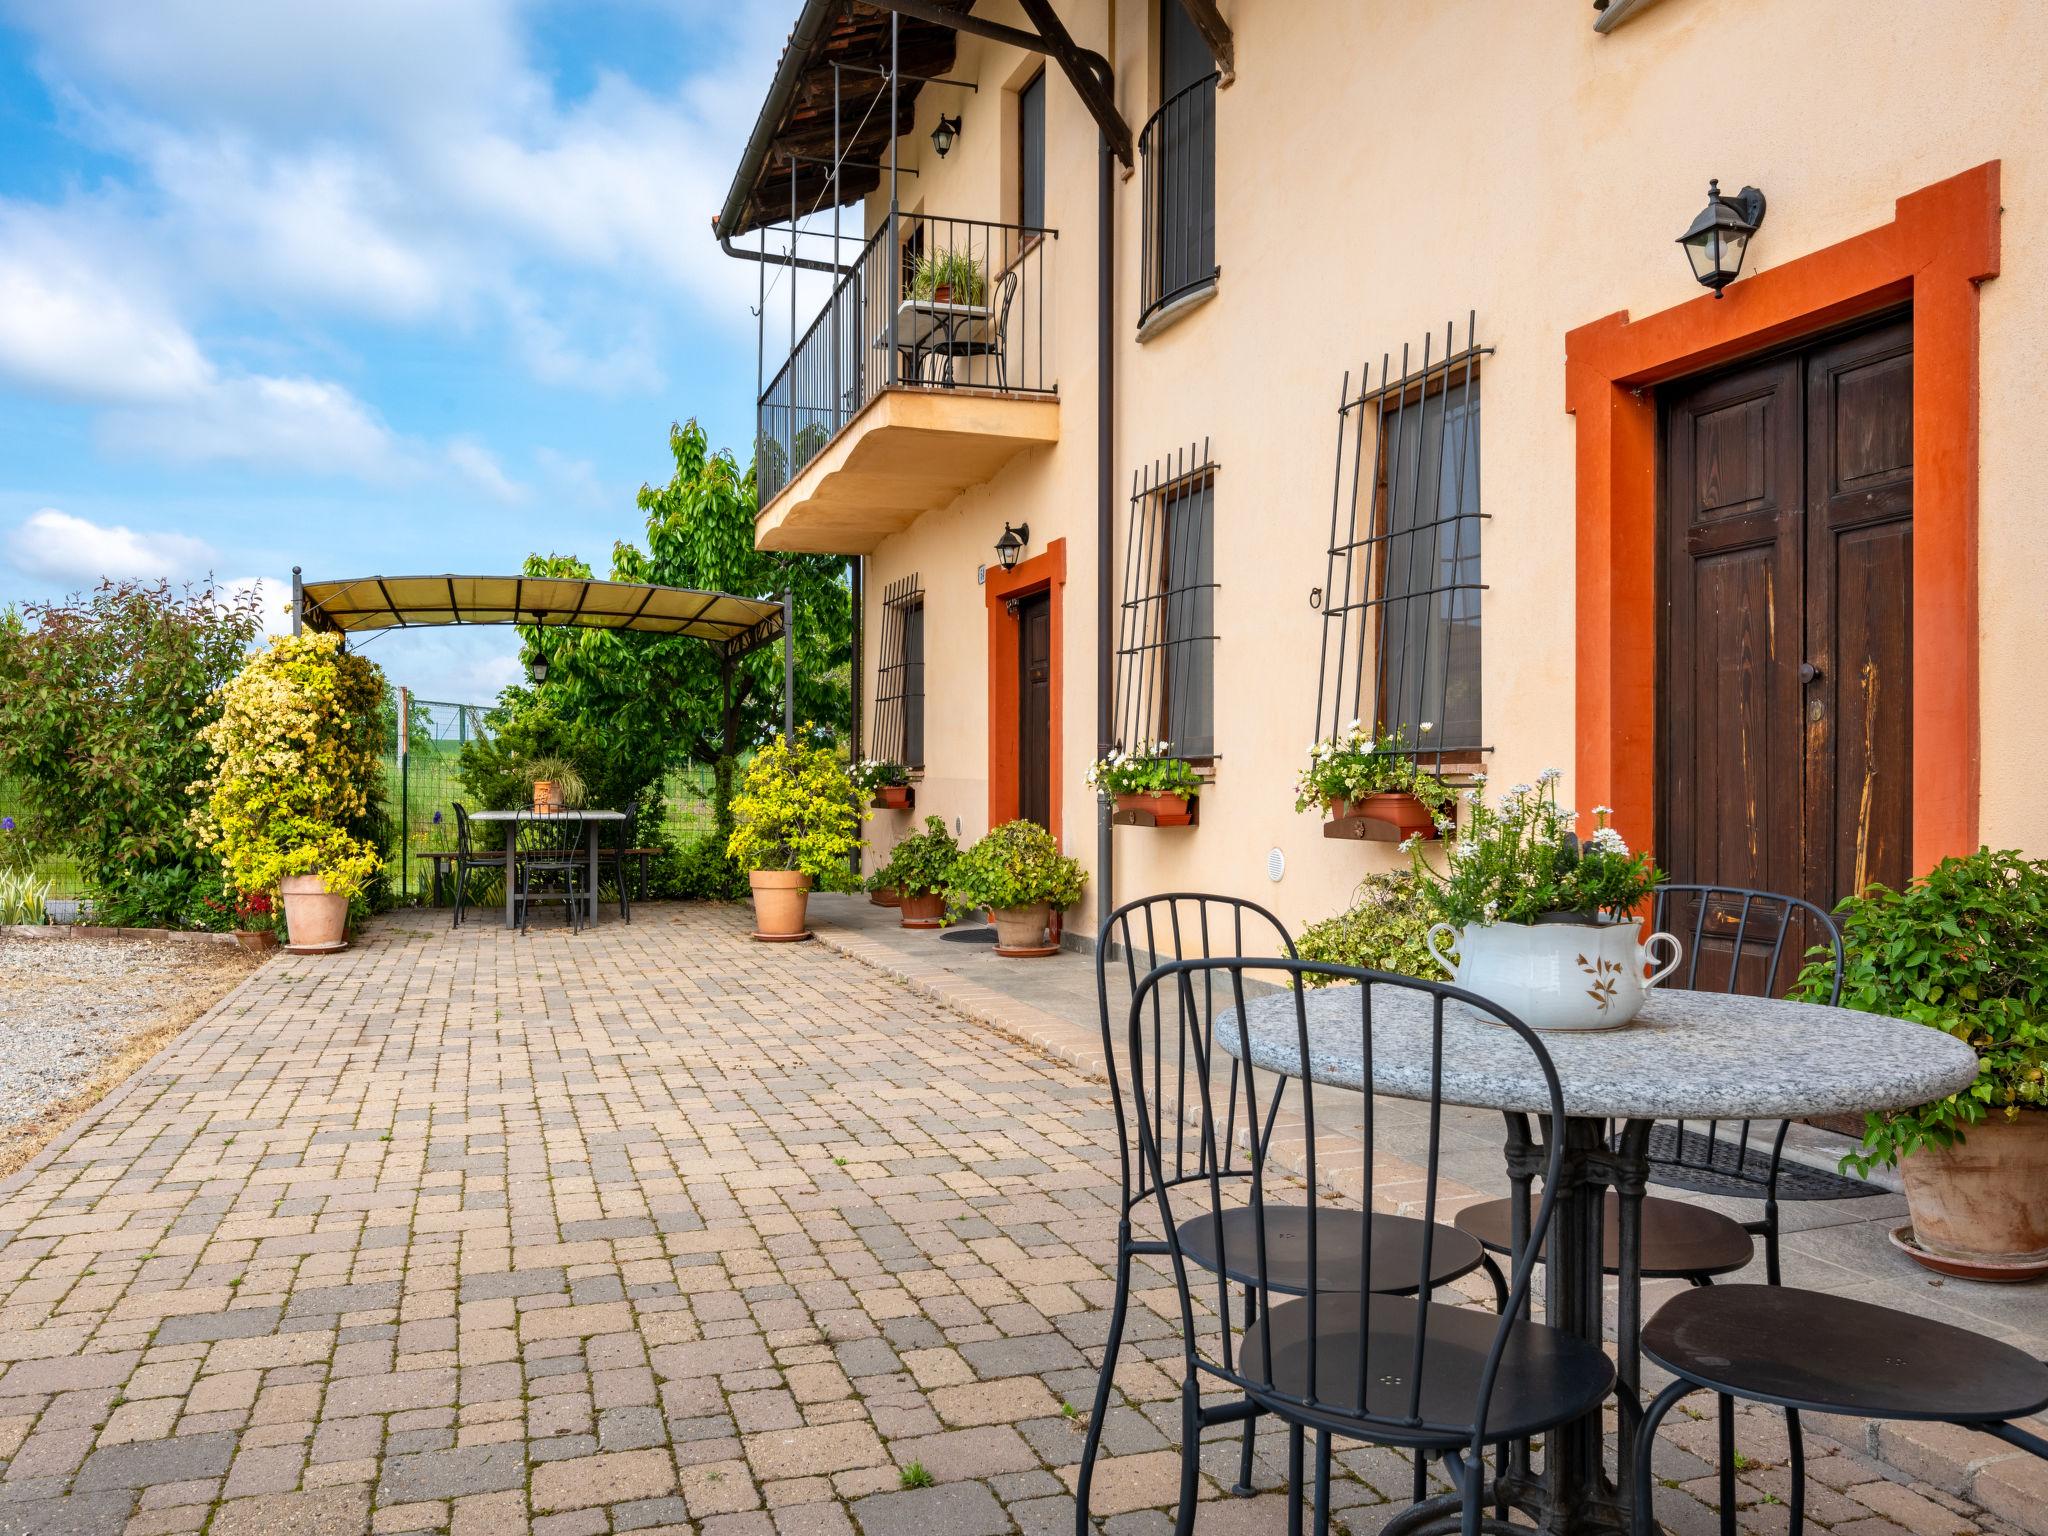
(1177, 150)
(899, 684)
(1401, 593)
(1166, 633)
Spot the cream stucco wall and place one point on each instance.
(1383, 169)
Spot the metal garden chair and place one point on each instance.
(467, 858)
(1737, 941)
(1807, 1351)
(548, 866)
(1393, 1368)
(617, 840)
(1298, 1238)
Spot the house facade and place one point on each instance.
(1400, 402)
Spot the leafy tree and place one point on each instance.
(102, 700)
(627, 706)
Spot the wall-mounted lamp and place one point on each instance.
(537, 668)
(1011, 544)
(1720, 235)
(944, 135)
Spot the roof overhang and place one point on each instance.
(732, 625)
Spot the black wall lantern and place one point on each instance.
(944, 135)
(1720, 235)
(1011, 544)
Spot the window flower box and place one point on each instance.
(1156, 810)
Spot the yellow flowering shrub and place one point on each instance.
(797, 810)
(299, 738)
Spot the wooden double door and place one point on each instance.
(1786, 644)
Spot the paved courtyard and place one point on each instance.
(651, 1228)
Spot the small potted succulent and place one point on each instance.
(1149, 779)
(922, 866)
(1961, 949)
(796, 825)
(1540, 920)
(1020, 876)
(884, 780)
(948, 277)
(1358, 773)
(557, 785)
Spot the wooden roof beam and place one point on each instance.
(1216, 33)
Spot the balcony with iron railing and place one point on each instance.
(1177, 154)
(928, 368)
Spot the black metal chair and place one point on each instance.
(1397, 1369)
(1806, 1351)
(615, 842)
(467, 858)
(548, 866)
(996, 344)
(1189, 925)
(1738, 941)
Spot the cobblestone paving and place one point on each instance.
(650, 1228)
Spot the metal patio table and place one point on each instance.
(588, 823)
(1687, 1055)
(920, 321)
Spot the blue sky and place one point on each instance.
(384, 286)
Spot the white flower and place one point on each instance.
(1428, 726)
(1608, 840)
(1491, 911)
(1603, 810)
(1549, 776)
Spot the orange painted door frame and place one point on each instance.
(1041, 573)
(1940, 245)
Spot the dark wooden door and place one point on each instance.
(1785, 690)
(1034, 709)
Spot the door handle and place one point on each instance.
(1808, 672)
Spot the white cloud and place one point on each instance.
(274, 423)
(273, 600)
(481, 467)
(59, 547)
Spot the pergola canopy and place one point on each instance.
(733, 626)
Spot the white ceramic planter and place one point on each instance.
(1557, 975)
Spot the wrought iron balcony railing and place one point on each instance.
(944, 304)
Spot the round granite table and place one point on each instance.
(1687, 1055)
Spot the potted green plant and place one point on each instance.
(255, 922)
(296, 748)
(796, 826)
(1149, 779)
(1358, 773)
(882, 888)
(1386, 928)
(1020, 876)
(1962, 949)
(923, 865)
(884, 780)
(1540, 920)
(557, 785)
(948, 277)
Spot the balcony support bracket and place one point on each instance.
(1216, 33)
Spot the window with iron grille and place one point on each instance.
(899, 685)
(1178, 148)
(1400, 601)
(1166, 638)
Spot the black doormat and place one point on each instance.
(969, 935)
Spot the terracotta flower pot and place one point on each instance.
(886, 896)
(1404, 812)
(1986, 1198)
(256, 940)
(926, 911)
(547, 797)
(1165, 810)
(942, 294)
(781, 898)
(314, 917)
(892, 797)
(1021, 927)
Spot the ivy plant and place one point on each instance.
(1017, 865)
(922, 864)
(1962, 949)
(1383, 930)
(796, 811)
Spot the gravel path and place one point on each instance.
(67, 1007)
